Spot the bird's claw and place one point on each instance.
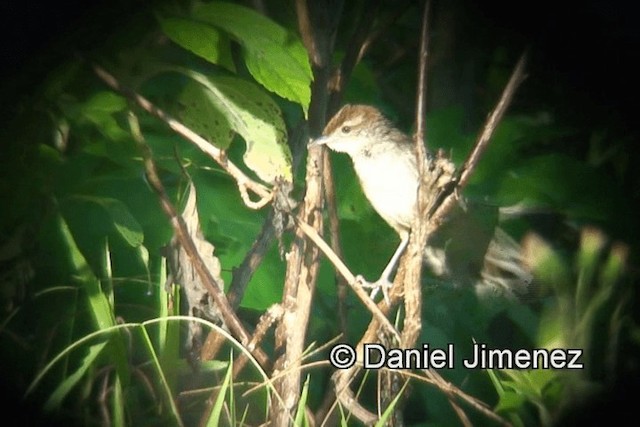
(381, 284)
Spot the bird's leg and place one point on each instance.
(384, 283)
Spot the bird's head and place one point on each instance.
(353, 129)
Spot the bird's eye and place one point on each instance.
(346, 129)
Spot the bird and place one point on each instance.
(468, 249)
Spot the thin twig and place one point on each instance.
(373, 36)
(312, 234)
(242, 180)
(353, 53)
(251, 261)
(334, 233)
(452, 392)
(421, 97)
(306, 32)
(517, 76)
(182, 234)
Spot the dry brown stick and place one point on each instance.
(242, 180)
(412, 261)
(453, 392)
(299, 286)
(306, 32)
(348, 276)
(353, 54)
(303, 258)
(418, 240)
(334, 233)
(273, 314)
(180, 230)
(373, 36)
(464, 174)
(241, 276)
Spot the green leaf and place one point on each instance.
(301, 414)
(100, 307)
(201, 39)
(70, 381)
(100, 110)
(275, 57)
(257, 118)
(124, 223)
(510, 401)
(201, 114)
(105, 101)
(216, 411)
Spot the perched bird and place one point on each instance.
(468, 249)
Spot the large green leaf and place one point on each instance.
(201, 114)
(256, 117)
(123, 221)
(201, 39)
(275, 57)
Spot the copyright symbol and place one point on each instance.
(342, 356)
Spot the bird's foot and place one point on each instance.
(382, 284)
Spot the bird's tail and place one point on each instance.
(504, 271)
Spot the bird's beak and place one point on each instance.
(322, 140)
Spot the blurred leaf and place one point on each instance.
(123, 222)
(510, 401)
(201, 39)
(548, 265)
(100, 110)
(72, 379)
(274, 56)
(563, 183)
(99, 305)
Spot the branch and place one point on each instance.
(242, 180)
(312, 234)
(464, 174)
(334, 233)
(421, 99)
(354, 52)
(182, 234)
(418, 238)
(517, 77)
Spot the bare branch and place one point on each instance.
(517, 76)
(421, 97)
(306, 32)
(353, 53)
(418, 238)
(266, 321)
(334, 233)
(243, 181)
(182, 234)
(454, 392)
(348, 276)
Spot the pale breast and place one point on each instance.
(390, 184)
